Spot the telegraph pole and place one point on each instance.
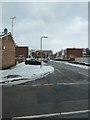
(12, 19)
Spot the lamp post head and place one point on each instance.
(44, 37)
(13, 17)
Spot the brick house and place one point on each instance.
(43, 53)
(72, 53)
(7, 51)
(21, 52)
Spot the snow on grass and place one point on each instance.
(22, 73)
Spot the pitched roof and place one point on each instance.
(8, 34)
(4, 35)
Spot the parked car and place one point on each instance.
(32, 61)
(45, 59)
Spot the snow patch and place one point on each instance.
(22, 73)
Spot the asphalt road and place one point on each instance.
(65, 90)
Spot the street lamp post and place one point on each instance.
(41, 48)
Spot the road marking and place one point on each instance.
(58, 71)
(51, 115)
(66, 84)
(51, 84)
(75, 112)
(73, 83)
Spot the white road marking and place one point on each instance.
(51, 115)
(51, 84)
(58, 71)
(66, 84)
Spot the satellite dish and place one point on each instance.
(5, 30)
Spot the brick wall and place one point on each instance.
(8, 52)
(43, 53)
(21, 51)
(72, 53)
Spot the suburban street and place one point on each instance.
(44, 60)
(64, 90)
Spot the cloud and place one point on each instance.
(65, 24)
(44, 0)
(77, 26)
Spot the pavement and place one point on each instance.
(65, 90)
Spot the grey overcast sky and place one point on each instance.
(65, 24)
